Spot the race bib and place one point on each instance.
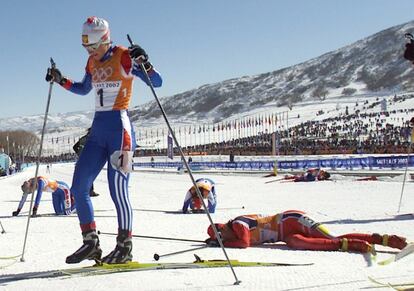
(122, 161)
(106, 94)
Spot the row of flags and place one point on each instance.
(269, 120)
(250, 122)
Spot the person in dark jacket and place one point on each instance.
(78, 147)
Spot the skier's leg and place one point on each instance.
(118, 185)
(393, 241)
(301, 242)
(120, 149)
(91, 161)
(58, 202)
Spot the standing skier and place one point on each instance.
(110, 71)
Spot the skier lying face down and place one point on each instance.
(298, 231)
(313, 174)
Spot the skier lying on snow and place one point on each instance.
(298, 231)
(313, 174)
(63, 202)
(208, 191)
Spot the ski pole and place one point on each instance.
(405, 172)
(230, 208)
(276, 180)
(155, 237)
(53, 65)
(184, 160)
(157, 256)
(2, 228)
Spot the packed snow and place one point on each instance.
(344, 204)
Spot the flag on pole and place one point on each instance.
(170, 151)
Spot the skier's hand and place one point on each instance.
(409, 51)
(138, 54)
(15, 213)
(212, 242)
(54, 75)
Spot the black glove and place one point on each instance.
(15, 213)
(213, 243)
(54, 75)
(409, 51)
(137, 53)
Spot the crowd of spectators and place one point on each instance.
(357, 133)
(67, 157)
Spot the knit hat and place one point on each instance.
(95, 30)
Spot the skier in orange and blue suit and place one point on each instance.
(110, 71)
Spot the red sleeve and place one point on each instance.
(243, 237)
(67, 84)
(126, 61)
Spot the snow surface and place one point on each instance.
(345, 205)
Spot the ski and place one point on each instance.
(106, 269)
(395, 286)
(409, 249)
(401, 216)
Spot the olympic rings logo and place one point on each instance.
(101, 74)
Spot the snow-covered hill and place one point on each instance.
(373, 65)
(369, 67)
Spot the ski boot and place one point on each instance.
(392, 241)
(122, 252)
(90, 250)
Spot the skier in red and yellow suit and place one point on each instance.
(298, 231)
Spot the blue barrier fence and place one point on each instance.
(384, 162)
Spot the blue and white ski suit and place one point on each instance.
(211, 197)
(112, 138)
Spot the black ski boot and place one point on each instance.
(90, 250)
(122, 252)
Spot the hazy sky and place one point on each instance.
(190, 42)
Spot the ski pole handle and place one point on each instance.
(130, 40)
(52, 63)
